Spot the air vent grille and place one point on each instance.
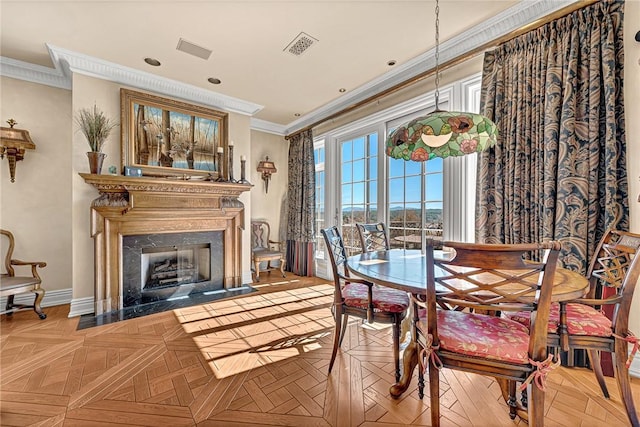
(300, 44)
(193, 49)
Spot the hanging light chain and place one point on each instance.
(437, 52)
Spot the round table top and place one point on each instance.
(405, 270)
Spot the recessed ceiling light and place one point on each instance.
(214, 81)
(342, 90)
(297, 114)
(391, 62)
(152, 61)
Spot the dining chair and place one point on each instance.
(373, 237)
(265, 250)
(581, 324)
(362, 299)
(12, 285)
(455, 333)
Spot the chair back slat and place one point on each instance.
(373, 237)
(612, 260)
(260, 231)
(337, 254)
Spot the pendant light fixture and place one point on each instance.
(441, 133)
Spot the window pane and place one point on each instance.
(434, 165)
(358, 193)
(396, 190)
(346, 195)
(373, 168)
(373, 144)
(347, 172)
(358, 170)
(358, 148)
(346, 151)
(396, 167)
(434, 187)
(413, 168)
(373, 192)
(412, 188)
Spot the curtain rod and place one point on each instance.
(454, 61)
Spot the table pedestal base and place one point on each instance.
(409, 362)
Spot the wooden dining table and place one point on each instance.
(406, 269)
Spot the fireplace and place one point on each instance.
(170, 266)
(158, 238)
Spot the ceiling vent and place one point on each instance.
(193, 49)
(300, 44)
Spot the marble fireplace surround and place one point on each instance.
(149, 205)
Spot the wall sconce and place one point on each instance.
(13, 143)
(266, 168)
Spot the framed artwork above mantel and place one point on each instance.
(166, 137)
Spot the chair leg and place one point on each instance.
(36, 304)
(336, 336)
(594, 360)
(512, 401)
(536, 406)
(9, 305)
(420, 378)
(257, 267)
(396, 347)
(282, 267)
(622, 376)
(345, 322)
(434, 391)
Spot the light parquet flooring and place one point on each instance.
(259, 359)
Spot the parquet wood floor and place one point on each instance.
(258, 360)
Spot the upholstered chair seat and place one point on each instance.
(581, 320)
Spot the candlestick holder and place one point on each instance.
(243, 171)
(231, 164)
(220, 174)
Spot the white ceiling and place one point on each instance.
(356, 39)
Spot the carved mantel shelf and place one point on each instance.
(148, 205)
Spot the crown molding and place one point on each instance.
(503, 23)
(73, 62)
(33, 73)
(268, 127)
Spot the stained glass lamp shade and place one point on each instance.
(442, 134)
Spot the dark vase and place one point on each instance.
(95, 161)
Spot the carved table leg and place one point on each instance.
(409, 362)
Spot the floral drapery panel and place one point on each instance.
(559, 168)
(301, 204)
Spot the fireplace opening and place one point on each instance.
(171, 266)
(175, 265)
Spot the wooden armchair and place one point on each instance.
(361, 299)
(455, 335)
(10, 284)
(263, 249)
(581, 324)
(373, 237)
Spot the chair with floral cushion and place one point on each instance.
(581, 324)
(454, 334)
(373, 237)
(361, 299)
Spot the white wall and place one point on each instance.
(269, 206)
(36, 207)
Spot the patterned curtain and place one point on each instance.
(559, 168)
(301, 205)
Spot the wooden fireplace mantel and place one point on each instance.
(149, 205)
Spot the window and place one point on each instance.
(358, 186)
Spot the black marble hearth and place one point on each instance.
(89, 320)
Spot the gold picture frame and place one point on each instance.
(165, 137)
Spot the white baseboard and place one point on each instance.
(51, 298)
(80, 306)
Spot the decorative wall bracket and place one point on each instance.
(13, 143)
